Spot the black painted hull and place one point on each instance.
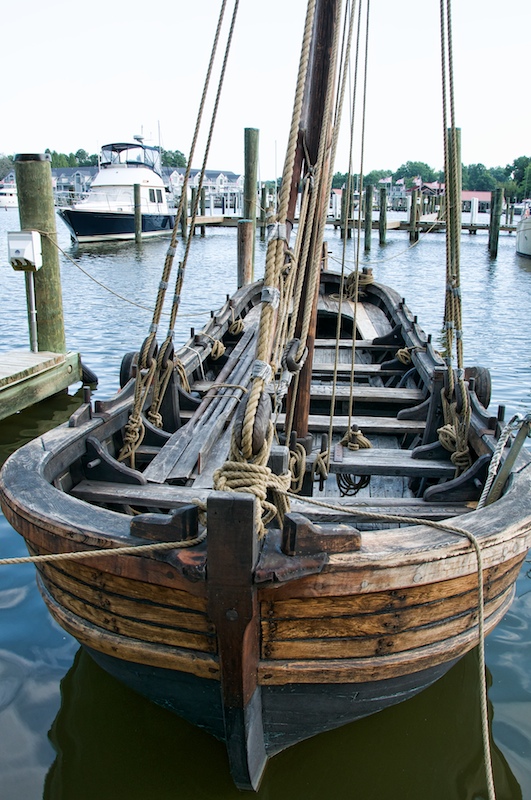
(290, 714)
(96, 226)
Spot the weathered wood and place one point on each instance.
(391, 425)
(367, 221)
(232, 604)
(20, 389)
(163, 464)
(246, 232)
(374, 641)
(296, 608)
(130, 649)
(364, 669)
(37, 212)
(300, 536)
(370, 394)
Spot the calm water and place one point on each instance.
(69, 732)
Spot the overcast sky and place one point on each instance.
(82, 74)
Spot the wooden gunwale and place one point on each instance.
(388, 558)
(333, 607)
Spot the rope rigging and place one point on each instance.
(155, 369)
(455, 398)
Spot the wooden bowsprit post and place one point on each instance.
(232, 552)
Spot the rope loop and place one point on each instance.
(289, 359)
(297, 466)
(354, 439)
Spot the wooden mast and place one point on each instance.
(232, 544)
(306, 157)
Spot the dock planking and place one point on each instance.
(27, 378)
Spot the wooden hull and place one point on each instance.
(266, 644)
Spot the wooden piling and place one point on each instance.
(37, 212)
(249, 185)
(382, 224)
(495, 216)
(246, 230)
(138, 213)
(203, 209)
(368, 217)
(192, 205)
(184, 218)
(263, 209)
(454, 216)
(414, 217)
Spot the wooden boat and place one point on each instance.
(261, 623)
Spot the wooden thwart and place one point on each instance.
(374, 461)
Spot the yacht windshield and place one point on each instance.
(131, 154)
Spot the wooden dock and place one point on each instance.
(423, 226)
(27, 378)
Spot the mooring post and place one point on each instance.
(37, 212)
(263, 209)
(245, 252)
(413, 217)
(368, 217)
(183, 222)
(203, 209)
(382, 222)
(251, 173)
(138, 213)
(495, 215)
(192, 205)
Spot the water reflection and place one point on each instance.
(112, 743)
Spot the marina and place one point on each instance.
(298, 512)
(507, 280)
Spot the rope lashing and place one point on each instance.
(143, 383)
(218, 348)
(237, 326)
(356, 282)
(297, 466)
(349, 484)
(517, 422)
(355, 440)
(453, 435)
(256, 478)
(183, 377)
(404, 353)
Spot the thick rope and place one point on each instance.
(79, 555)
(254, 477)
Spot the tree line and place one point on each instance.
(514, 178)
(169, 158)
